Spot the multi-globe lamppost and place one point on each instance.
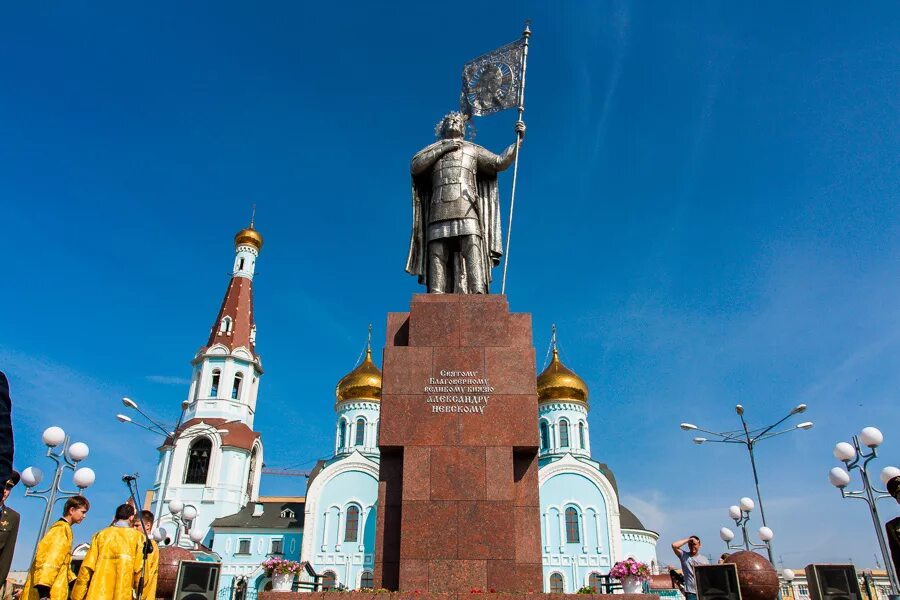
(749, 438)
(67, 457)
(741, 514)
(856, 457)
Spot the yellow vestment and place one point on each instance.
(112, 566)
(151, 573)
(51, 564)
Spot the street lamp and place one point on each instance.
(183, 516)
(789, 576)
(740, 513)
(67, 457)
(855, 456)
(749, 438)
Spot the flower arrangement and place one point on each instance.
(281, 566)
(630, 568)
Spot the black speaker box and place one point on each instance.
(197, 580)
(833, 582)
(717, 582)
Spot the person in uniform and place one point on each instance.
(50, 574)
(9, 531)
(144, 526)
(112, 566)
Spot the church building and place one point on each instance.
(212, 467)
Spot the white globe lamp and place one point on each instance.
(196, 536)
(726, 534)
(844, 451)
(838, 477)
(734, 512)
(766, 534)
(175, 506)
(32, 476)
(746, 504)
(53, 436)
(189, 513)
(788, 575)
(889, 473)
(78, 451)
(871, 437)
(84, 478)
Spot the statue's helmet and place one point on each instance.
(454, 122)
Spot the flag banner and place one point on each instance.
(493, 81)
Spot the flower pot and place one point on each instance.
(632, 585)
(281, 582)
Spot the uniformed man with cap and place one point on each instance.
(9, 530)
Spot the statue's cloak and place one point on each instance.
(488, 203)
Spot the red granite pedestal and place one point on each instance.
(458, 490)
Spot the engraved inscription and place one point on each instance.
(458, 392)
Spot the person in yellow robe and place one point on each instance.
(50, 574)
(112, 566)
(144, 526)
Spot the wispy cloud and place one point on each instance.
(168, 379)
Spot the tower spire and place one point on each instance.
(252, 216)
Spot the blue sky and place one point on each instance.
(706, 209)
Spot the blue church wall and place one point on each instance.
(243, 560)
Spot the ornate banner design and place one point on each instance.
(493, 81)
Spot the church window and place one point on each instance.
(243, 546)
(581, 443)
(342, 434)
(564, 433)
(366, 580)
(329, 581)
(198, 461)
(251, 477)
(214, 386)
(236, 386)
(226, 325)
(351, 527)
(595, 583)
(360, 432)
(545, 436)
(572, 529)
(287, 514)
(277, 546)
(556, 584)
(241, 265)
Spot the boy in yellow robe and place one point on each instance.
(50, 574)
(112, 566)
(144, 526)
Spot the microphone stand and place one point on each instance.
(128, 480)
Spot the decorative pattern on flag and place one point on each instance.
(493, 81)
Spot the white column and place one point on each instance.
(597, 525)
(583, 528)
(340, 531)
(562, 534)
(324, 531)
(546, 521)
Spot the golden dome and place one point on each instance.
(248, 237)
(558, 382)
(362, 383)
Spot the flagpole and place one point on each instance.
(512, 201)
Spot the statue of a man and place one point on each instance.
(456, 211)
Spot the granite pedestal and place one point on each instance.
(458, 504)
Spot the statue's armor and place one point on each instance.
(453, 183)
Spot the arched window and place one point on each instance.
(556, 583)
(581, 443)
(342, 434)
(564, 434)
(251, 477)
(351, 525)
(236, 386)
(198, 461)
(595, 583)
(366, 581)
(214, 386)
(545, 436)
(572, 530)
(226, 325)
(329, 580)
(360, 432)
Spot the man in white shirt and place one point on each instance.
(690, 558)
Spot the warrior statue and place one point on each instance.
(456, 211)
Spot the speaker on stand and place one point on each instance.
(833, 582)
(197, 580)
(717, 582)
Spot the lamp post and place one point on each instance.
(789, 576)
(855, 457)
(67, 457)
(741, 514)
(749, 438)
(183, 516)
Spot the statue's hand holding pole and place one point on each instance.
(520, 130)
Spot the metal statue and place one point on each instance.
(456, 238)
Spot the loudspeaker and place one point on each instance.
(833, 582)
(197, 580)
(717, 582)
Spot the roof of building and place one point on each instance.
(237, 435)
(271, 517)
(629, 520)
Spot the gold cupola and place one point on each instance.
(249, 236)
(558, 382)
(362, 383)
